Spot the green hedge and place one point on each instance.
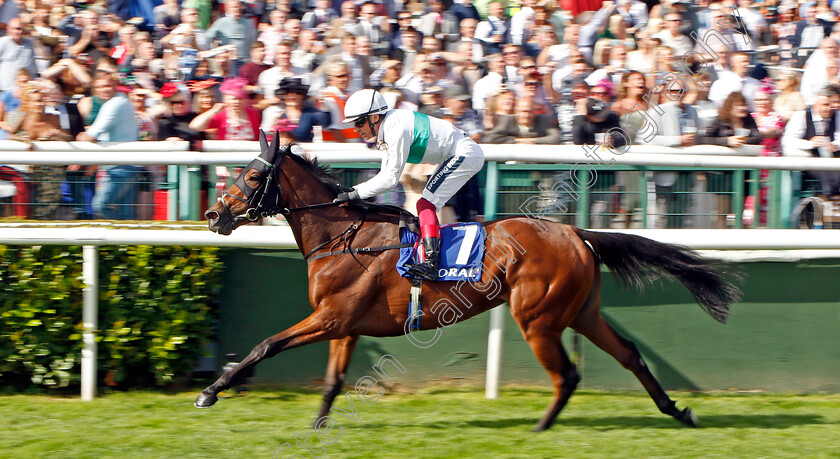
(156, 313)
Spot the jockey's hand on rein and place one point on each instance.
(346, 196)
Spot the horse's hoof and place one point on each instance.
(688, 418)
(542, 426)
(205, 400)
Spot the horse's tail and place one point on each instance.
(635, 260)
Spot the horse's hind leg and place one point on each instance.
(548, 348)
(341, 350)
(309, 330)
(592, 325)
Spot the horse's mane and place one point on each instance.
(325, 175)
(320, 171)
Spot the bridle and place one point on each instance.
(265, 199)
(255, 198)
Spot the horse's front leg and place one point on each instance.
(316, 327)
(341, 350)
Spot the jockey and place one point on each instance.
(412, 137)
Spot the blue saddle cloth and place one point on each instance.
(461, 253)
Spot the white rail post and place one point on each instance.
(494, 352)
(90, 299)
(183, 193)
(172, 193)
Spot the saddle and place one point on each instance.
(461, 252)
(461, 255)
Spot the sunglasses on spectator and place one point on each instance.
(343, 75)
(528, 67)
(178, 102)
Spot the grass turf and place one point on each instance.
(431, 423)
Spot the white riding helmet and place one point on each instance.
(363, 103)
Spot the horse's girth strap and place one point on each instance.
(361, 250)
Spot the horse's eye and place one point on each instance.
(252, 178)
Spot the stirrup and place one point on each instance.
(427, 270)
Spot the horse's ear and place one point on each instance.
(269, 152)
(263, 143)
(275, 144)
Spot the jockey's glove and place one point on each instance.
(345, 196)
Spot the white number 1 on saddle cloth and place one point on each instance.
(462, 250)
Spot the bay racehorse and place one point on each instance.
(549, 273)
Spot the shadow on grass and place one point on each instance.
(765, 421)
(762, 421)
(267, 397)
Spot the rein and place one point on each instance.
(257, 209)
(287, 211)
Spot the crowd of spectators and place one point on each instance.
(703, 72)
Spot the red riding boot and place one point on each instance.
(430, 233)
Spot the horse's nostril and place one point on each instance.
(211, 215)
